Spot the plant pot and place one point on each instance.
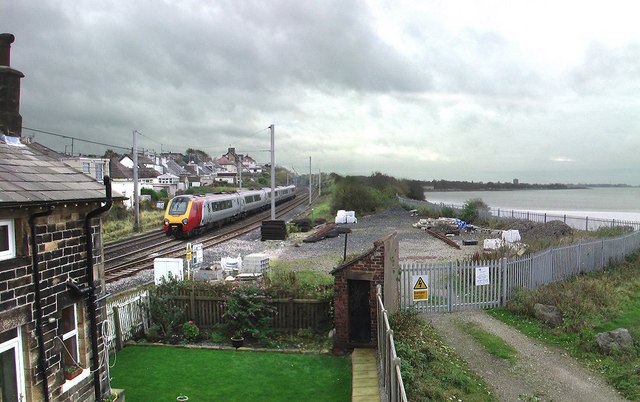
(237, 341)
(72, 375)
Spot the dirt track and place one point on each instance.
(541, 372)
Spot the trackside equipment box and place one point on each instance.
(163, 267)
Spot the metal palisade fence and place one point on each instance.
(576, 222)
(387, 357)
(459, 285)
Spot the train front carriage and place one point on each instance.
(181, 216)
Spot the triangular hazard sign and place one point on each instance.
(420, 284)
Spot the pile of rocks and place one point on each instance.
(532, 231)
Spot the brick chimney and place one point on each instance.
(10, 119)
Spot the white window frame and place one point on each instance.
(99, 168)
(10, 252)
(73, 333)
(86, 167)
(68, 384)
(16, 345)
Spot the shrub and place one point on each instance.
(473, 209)
(164, 311)
(447, 212)
(190, 331)
(249, 313)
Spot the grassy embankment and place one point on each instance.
(119, 225)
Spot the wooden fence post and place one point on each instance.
(290, 320)
(118, 330)
(192, 305)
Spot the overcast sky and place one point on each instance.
(542, 91)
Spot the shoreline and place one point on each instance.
(603, 215)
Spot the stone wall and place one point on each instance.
(60, 240)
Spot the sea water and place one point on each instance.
(598, 202)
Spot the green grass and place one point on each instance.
(285, 280)
(162, 373)
(116, 229)
(590, 304)
(322, 209)
(494, 345)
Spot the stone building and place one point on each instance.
(51, 275)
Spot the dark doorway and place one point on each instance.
(359, 311)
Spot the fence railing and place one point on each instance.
(576, 222)
(388, 359)
(127, 315)
(290, 314)
(469, 284)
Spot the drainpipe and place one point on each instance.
(92, 303)
(42, 357)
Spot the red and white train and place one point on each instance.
(188, 215)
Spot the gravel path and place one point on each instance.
(541, 372)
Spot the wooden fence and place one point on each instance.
(127, 315)
(289, 316)
(467, 284)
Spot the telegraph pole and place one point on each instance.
(136, 197)
(273, 175)
(310, 177)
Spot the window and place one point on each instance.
(7, 242)
(70, 337)
(86, 167)
(179, 206)
(99, 171)
(11, 367)
(71, 352)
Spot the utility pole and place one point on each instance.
(273, 175)
(136, 197)
(240, 171)
(310, 177)
(319, 183)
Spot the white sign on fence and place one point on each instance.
(196, 256)
(420, 287)
(482, 276)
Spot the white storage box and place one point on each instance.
(255, 263)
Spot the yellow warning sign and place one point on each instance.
(420, 294)
(420, 287)
(420, 284)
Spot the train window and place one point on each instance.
(178, 205)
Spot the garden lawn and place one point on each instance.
(159, 373)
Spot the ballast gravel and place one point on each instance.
(415, 245)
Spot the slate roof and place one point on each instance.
(29, 177)
(175, 168)
(120, 171)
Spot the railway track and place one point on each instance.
(128, 258)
